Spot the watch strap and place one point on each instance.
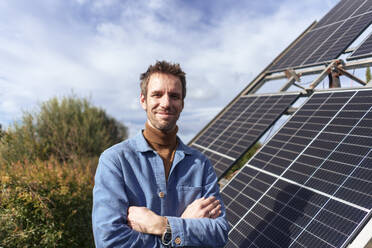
(166, 238)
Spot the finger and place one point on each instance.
(129, 223)
(207, 201)
(215, 212)
(214, 216)
(216, 209)
(211, 209)
(212, 205)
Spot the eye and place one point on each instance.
(156, 94)
(175, 96)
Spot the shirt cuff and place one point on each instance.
(176, 225)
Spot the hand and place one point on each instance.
(142, 219)
(203, 208)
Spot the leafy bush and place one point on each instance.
(47, 204)
(241, 162)
(47, 165)
(66, 129)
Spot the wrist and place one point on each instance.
(162, 226)
(166, 237)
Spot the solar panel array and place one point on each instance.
(310, 185)
(364, 50)
(330, 37)
(240, 127)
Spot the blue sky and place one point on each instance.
(98, 48)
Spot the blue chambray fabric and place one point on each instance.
(131, 173)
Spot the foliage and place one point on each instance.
(368, 75)
(1, 131)
(46, 204)
(66, 129)
(47, 163)
(239, 164)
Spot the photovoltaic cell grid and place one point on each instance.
(363, 51)
(330, 37)
(311, 184)
(240, 127)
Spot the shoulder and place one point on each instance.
(128, 147)
(188, 150)
(118, 149)
(193, 153)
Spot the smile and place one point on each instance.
(165, 113)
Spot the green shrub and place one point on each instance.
(47, 204)
(239, 164)
(66, 129)
(47, 164)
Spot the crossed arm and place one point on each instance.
(116, 224)
(142, 219)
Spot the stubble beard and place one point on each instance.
(162, 125)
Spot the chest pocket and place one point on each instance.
(186, 195)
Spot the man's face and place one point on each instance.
(163, 103)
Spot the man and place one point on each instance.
(152, 190)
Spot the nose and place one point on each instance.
(165, 101)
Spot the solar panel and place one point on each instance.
(364, 50)
(330, 37)
(311, 184)
(240, 127)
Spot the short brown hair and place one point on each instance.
(163, 67)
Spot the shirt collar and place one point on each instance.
(143, 146)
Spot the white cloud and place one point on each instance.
(99, 48)
(81, 1)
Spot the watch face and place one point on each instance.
(167, 237)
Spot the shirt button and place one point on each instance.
(177, 241)
(161, 194)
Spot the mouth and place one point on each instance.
(165, 113)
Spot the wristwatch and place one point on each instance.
(166, 238)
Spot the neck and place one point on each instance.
(164, 143)
(159, 137)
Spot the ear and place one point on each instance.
(143, 101)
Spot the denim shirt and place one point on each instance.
(131, 173)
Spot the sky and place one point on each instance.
(98, 48)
